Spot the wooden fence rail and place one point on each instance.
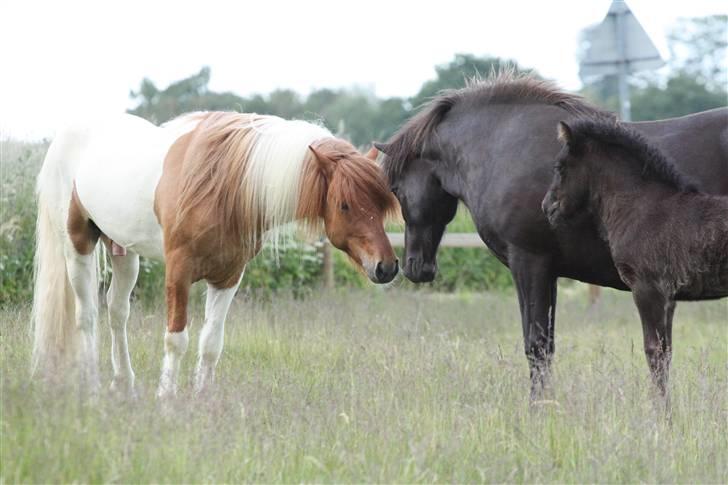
(449, 240)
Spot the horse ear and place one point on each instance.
(372, 153)
(382, 147)
(325, 163)
(564, 133)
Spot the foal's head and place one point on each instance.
(348, 191)
(568, 193)
(599, 158)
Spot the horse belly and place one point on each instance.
(115, 182)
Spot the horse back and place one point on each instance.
(697, 143)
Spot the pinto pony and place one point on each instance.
(201, 193)
(669, 242)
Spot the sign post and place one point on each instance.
(619, 45)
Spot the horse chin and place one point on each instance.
(420, 273)
(370, 269)
(555, 219)
(554, 215)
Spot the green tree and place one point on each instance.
(188, 94)
(698, 46)
(455, 74)
(362, 116)
(683, 94)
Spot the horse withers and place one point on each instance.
(668, 241)
(201, 193)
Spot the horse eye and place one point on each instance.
(344, 206)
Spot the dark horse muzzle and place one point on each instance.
(551, 208)
(417, 270)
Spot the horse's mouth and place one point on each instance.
(418, 271)
(552, 211)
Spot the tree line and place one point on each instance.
(695, 81)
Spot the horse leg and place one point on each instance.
(124, 276)
(176, 338)
(656, 311)
(217, 305)
(82, 276)
(536, 286)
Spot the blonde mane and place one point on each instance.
(246, 172)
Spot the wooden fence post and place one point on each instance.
(594, 292)
(328, 267)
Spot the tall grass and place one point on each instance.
(382, 386)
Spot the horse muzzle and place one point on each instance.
(551, 210)
(383, 272)
(418, 270)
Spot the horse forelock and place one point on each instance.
(355, 180)
(610, 133)
(505, 86)
(360, 182)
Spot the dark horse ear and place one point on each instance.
(564, 133)
(382, 147)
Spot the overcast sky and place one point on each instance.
(62, 59)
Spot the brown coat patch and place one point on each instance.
(81, 230)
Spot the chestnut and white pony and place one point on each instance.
(200, 192)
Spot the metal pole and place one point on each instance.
(624, 104)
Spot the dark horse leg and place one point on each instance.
(536, 286)
(656, 311)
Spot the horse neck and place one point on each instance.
(472, 145)
(615, 190)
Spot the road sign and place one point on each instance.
(619, 45)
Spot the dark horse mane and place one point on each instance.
(655, 164)
(504, 87)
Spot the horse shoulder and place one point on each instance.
(194, 246)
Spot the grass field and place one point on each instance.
(385, 386)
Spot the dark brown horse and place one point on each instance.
(668, 241)
(492, 146)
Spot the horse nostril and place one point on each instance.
(379, 271)
(385, 272)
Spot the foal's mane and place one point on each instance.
(503, 87)
(610, 134)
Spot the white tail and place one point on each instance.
(59, 345)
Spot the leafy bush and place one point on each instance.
(19, 164)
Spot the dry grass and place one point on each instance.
(376, 386)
